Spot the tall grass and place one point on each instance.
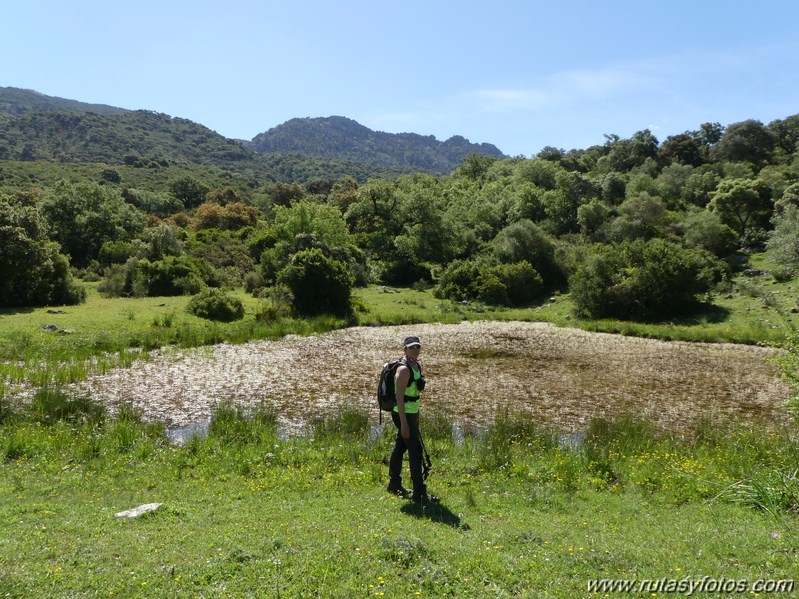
(732, 464)
(54, 360)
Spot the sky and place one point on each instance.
(518, 74)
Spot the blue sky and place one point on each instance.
(519, 74)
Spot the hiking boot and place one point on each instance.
(426, 498)
(398, 490)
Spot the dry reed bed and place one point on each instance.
(475, 370)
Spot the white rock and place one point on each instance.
(138, 511)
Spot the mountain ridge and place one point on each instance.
(342, 137)
(17, 101)
(34, 126)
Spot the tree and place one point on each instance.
(683, 148)
(704, 229)
(742, 204)
(475, 166)
(323, 221)
(159, 204)
(344, 193)
(747, 141)
(527, 203)
(592, 218)
(789, 197)
(224, 195)
(699, 187)
(428, 235)
(541, 173)
(32, 271)
(524, 241)
(84, 216)
(623, 155)
(710, 133)
(189, 191)
(561, 204)
(319, 284)
(672, 180)
(283, 194)
(614, 188)
(787, 132)
(641, 217)
(163, 240)
(784, 239)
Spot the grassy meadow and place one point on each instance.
(247, 511)
(106, 332)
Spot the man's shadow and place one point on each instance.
(435, 512)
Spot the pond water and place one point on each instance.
(476, 370)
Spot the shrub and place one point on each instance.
(215, 304)
(524, 241)
(115, 252)
(524, 284)
(319, 284)
(642, 280)
(275, 303)
(404, 273)
(253, 282)
(173, 275)
(457, 281)
(515, 284)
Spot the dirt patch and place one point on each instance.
(474, 371)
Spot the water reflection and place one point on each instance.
(180, 435)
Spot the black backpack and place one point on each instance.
(386, 387)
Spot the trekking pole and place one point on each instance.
(427, 465)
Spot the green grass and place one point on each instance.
(109, 332)
(114, 332)
(248, 513)
(752, 311)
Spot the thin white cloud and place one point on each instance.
(574, 107)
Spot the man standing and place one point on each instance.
(409, 383)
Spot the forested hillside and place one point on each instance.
(16, 101)
(635, 228)
(34, 127)
(339, 137)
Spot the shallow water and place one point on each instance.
(558, 376)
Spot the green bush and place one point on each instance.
(402, 272)
(522, 282)
(276, 303)
(215, 304)
(515, 284)
(173, 275)
(458, 281)
(642, 280)
(32, 271)
(524, 241)
(319, 284)
(784, 239)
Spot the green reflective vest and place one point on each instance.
(412, 392)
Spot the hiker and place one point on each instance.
(409, 384)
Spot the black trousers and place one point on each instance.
(413, 445)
